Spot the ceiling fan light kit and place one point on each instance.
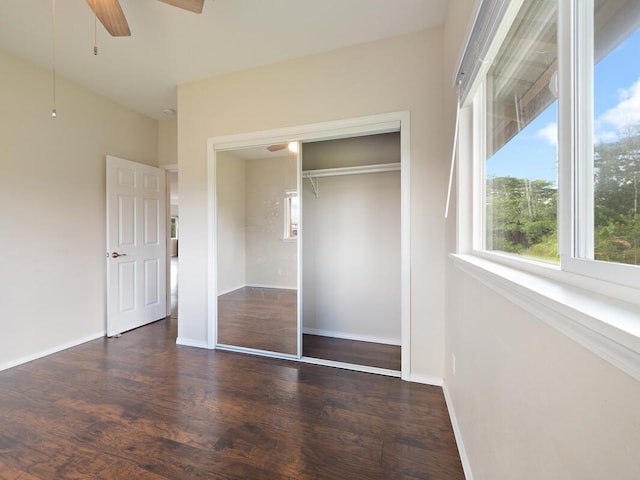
(54, 114)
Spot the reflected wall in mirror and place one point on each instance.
(257, 259)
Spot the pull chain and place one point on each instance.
(95, 34)
(54, 114)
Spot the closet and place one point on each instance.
(351, 296)
(308, 250)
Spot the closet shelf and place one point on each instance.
(332, 172)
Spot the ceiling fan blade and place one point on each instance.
(275, 148)
(111, 16)
(194, 6)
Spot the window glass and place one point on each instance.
(521, 137)
(173, 227)
(616, 136)
(292, 215)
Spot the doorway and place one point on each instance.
(174, 241)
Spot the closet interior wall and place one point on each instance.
(351, 239)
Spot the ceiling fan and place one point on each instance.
(110, 13)
(291, 146)
(275, 148)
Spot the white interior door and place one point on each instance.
(136, 243)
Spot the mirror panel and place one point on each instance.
(257, 213)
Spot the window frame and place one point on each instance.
(173, 219)
(577, 132)
(288, 233)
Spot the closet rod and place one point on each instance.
(332, 172)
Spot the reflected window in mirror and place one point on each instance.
(173, 227)
(291, 215)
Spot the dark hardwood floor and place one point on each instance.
(352, 351)
(141, 407)
(260, 318)
(266, 319)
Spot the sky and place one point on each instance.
(532, 153)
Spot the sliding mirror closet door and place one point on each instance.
(257, 214)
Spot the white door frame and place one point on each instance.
(169, 169)
(382, 123)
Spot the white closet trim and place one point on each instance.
(335, 129)
(334, 172)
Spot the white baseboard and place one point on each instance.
(466, 466)
(350, 366)
(189, 342)
(50, 351)
(253, 285)
(229, 290)
(350, 336)
(279, 287)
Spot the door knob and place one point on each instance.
(116, 255)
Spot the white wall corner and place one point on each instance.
(188, 342)
(351, 336)
(466, 466)
(425, 379)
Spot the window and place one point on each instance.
(291, 215)
(507, 203)
(521, 137)
(173, 227)
(613, 136)
(556, 136)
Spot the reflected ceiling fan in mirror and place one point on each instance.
(275, 148)
(110, 13)
(292, 146)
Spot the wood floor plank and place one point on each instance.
(352, 351)
(259, 318)
(141, 407)
(9, 473)
(266, 319)
(342, 454)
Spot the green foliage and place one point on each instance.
(616, 195)
(521, 214)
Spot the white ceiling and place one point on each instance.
(170, 46)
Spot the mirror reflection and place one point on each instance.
(257, 229)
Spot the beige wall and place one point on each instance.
(231, 195)
(403, 73)
(168, 142)
(351, 257)
(52, 206)
(529, 402)
(250, 214)
(271, 262)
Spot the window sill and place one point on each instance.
(608, 327)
